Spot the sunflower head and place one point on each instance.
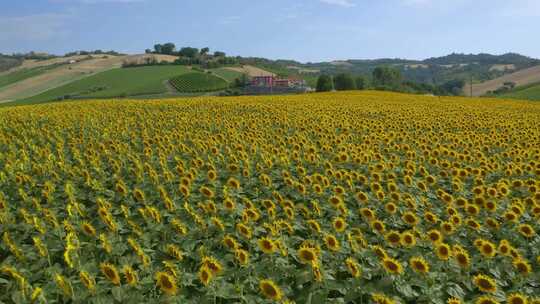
(205, 275)
(307, 255)
(485, 283)
(110, 272)
(419, 265)
(516, 298)
(270, 290)
(392, 266)
(331, 242)
(166, 283)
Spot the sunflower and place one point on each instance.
(267, 245)
(419, 265)
(443, 251)
(205, 275)
(390, 208)
(486, 300)
(87, 280)
(378, 298)
(314, 226)
(206, 192)
(212, 264)
(434, 236)
(516, 298)
(410, 218)
(130, 275)
(462, 258)
(522, 266)
(353, 267)
(454, 301)
(487, 249)
(367, 213)
(244, 230)
(166, 283)
(380, 252)
(339, 224)
(408, 239)
(233, 183)
(230, 242)
(270, 290)
(331, 242)
(526, 230)
(392, 266)
(242, 256)
(485, 283)
(229, 204)
(307, 255)
(110, 272)
(88, 229)
(378, 226)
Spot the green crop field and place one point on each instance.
(530, 92)
(227, 74)
(23, 74)
(114, 83)
(198, 82)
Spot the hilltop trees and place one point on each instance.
(325, 83)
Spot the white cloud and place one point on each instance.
(344, 3)
(33, 28)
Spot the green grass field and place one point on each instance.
(23, 74)
(227, 74)
(114, 83)
(198, 82)
(530, 92)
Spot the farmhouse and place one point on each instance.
(273, 81)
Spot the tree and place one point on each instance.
(386, 77)
(189, 52)
(343, 82)
(157, 48)
(168, 48)
(219, 54)
(361, 83)
(324, 83)
(148, 51)
(204, 51)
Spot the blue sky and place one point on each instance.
(305, 30)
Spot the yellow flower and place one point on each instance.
(485, 283)
(516, 298)
(267, 245)
(87, 280)
(392, 266)
(331, 242)
(419, 264)
(130, 275)
(307, 255)
(270, 290)
(353, 267)
(166, 283)
(110, 272)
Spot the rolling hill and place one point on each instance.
(529, 92)
(520, 78)
(61, 73)
(114, 83)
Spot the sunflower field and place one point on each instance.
(355, 197)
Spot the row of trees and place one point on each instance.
(190, 55)
(386, 78)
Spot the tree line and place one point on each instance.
(386, 78)
(191, 55)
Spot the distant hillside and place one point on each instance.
(437, 70)
(520, 78)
